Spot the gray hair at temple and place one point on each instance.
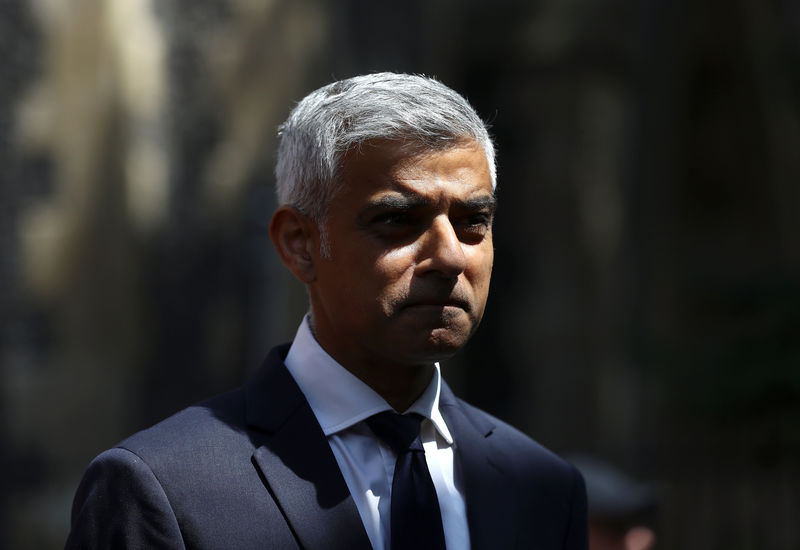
(342, 116)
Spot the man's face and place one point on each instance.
(411, 254)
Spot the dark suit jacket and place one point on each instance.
(252, 469)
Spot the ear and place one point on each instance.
(294, 236)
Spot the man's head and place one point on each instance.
(386, 184)
(344, 115)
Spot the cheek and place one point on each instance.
(480, 277)
(393, 273)
(480, 267)
(395, 265)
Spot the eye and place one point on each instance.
(476, 224)
(477, 221)
(480, 219)
(394, 218)
(394, 225)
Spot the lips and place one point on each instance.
(438, 302)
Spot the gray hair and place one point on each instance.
(342, 116)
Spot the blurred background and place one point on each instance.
(646, 296)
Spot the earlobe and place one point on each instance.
(292, 233)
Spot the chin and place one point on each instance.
(427, 340)
(443, 343)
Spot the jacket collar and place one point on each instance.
(489, 489)
(300, 470)
(297, 464)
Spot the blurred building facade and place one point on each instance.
(646, 296)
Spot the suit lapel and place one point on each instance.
(297, 464)
(489, 491)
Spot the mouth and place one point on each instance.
(438, 304)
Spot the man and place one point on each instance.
(386, 190)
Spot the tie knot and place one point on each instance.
(398, 431)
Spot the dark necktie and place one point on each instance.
(416, 521)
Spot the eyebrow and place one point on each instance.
(403, 202)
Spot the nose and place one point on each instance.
(441, 251)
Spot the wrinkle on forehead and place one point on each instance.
(389, 165)
(402, 155)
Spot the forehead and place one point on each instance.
(388, 165)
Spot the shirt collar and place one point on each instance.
(338, 398)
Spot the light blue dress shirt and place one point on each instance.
(341, 402)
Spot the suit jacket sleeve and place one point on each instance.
(121, 504)
(577, 532)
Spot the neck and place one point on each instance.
(399, 385)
